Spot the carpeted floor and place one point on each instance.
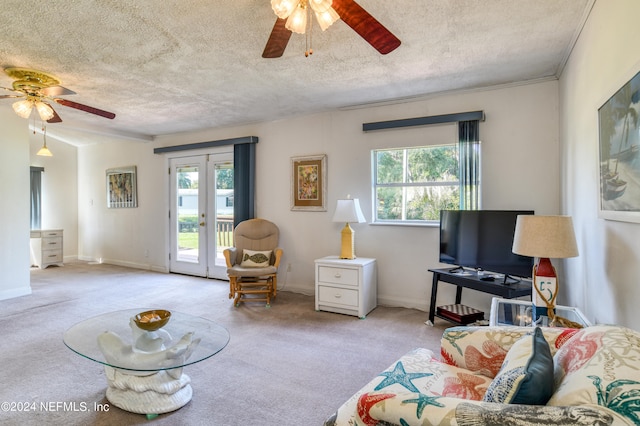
(286, 365)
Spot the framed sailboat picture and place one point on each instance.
(619, 156)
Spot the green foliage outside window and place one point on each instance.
(224, 177)
(414, 184)
(188, 178)
(184, 180)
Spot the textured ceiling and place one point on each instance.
(184, 65)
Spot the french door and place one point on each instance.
(201, 213)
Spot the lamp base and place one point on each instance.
(544, 288)
(347, 250)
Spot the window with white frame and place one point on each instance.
(412, 185)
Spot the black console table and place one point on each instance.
(473, 281)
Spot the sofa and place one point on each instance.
(507, 376)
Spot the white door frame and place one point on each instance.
(205, 262)
(191, 262)
(217, 267)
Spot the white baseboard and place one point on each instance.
(401, 302)
(391, 301)
(297, 288)
(135, 265)
(15, 292)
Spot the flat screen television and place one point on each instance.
(482, 239)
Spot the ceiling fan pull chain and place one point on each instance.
(309, 46)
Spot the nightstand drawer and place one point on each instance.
(51, 243)
(338, 296)
(51, 234)
(51, 256)
(333, 275)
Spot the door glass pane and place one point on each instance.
(224, 209)
(188, 223)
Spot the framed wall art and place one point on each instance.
(121, 187)
(309, 183)
(619, 153)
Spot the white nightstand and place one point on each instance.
(46, 247)
(346, 286)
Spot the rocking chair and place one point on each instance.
(252, 264)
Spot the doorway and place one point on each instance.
(201, 213)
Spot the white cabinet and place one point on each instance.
(346, 286)
(46, 247)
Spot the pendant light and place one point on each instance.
(44, 151)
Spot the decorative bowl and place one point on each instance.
(152, 320)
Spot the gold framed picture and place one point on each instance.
(309, 183)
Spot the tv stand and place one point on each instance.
(473, 281)
(514, 280)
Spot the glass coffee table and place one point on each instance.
(520, 312)
(144, 368)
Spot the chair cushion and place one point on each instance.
(254, 234)
(255, 259)
(239, 271)
(526, 376)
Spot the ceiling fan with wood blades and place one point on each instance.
(40, 89)
(293, 16)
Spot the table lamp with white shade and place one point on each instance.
(347, 211)
(544, 237)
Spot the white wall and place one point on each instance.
(15, 205)
(133, 237)
(59, 189)
(520, 137)
(603, 280)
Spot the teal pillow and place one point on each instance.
(526, 375)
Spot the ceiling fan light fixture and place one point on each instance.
(45, 111)
(23, 108)
(297, 21)
(284, 8)
(327, 18)
(350, 12)
(44, 151)
(320, 5)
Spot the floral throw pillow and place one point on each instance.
(599, 365)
